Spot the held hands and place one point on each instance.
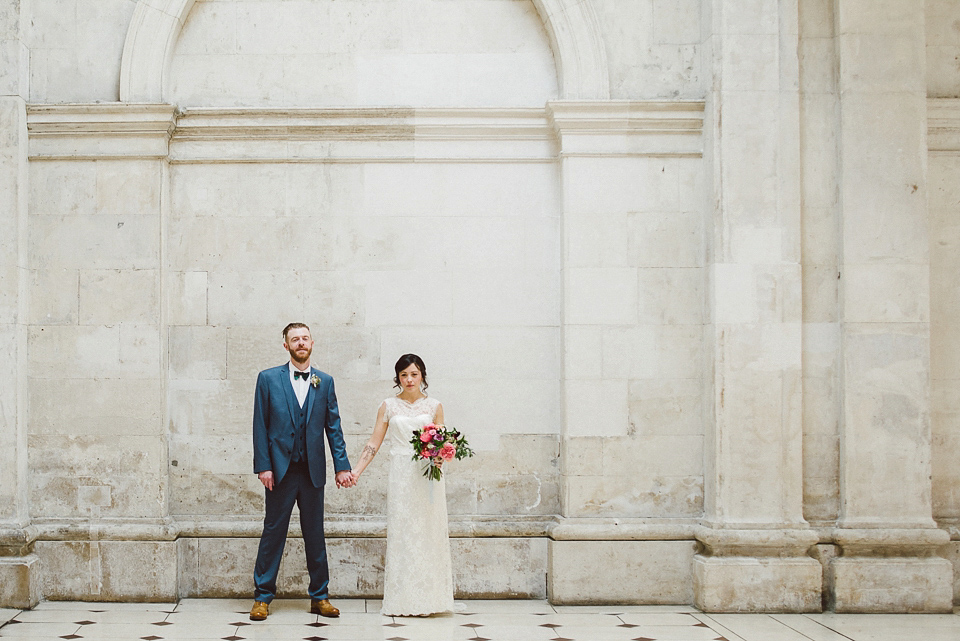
(346, 478)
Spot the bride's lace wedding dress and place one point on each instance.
(418, 578)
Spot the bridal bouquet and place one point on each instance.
(435, 444)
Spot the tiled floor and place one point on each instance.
(226, 619)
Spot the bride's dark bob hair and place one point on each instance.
(406, 361)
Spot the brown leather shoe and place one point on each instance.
(324, 608)
(259, 611)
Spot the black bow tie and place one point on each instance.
(298, 374)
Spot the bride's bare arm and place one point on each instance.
(373, 445)
(438, 417)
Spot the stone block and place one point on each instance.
(20, 582)
(62, 187)
(109, 297)
(186, 298)
(596, 408)
(583, 351)
(671, 296)
(204, 408)
(54, 296)
(582, 456)
(77, 352)
(484, 190)
(622, 572)
(142, 571)
(886, 408)
(653, 494)
(622, 185)
(197, 353)
(94, 242)
(254, 297)
(506, 296)
(886, 293)
(474, 352)
(630, 352)
(601, 296)
(661, 406)
(499, 568)
(193, 494)
(676, 22)
(680, 351)
(951, 552)
(597, 239)
(128, 187)
(746, 584)
(95, 406)
(891, 584)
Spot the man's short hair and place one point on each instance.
(287, 329)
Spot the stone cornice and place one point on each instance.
(943, 124)
(100, 130)
(375, 134)
(628, 127)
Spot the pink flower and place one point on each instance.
(425, 436)
(447, 452)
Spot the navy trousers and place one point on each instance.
(294, 488)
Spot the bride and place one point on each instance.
(418, 578)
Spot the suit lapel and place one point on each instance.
(312, 393)
(288, 392)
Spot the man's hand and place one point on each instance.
(267, 479)
(345, 479)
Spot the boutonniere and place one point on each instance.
(314, 380)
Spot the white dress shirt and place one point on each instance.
(300, 386)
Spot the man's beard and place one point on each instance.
(295, 359)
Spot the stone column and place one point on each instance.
(887, 535)
(754, 541)
(18, 564)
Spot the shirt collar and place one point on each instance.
(293, 368)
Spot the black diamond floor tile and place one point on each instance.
(627, 625)
(314, 638)
(644, 639)
(232, 638)
(163, 623)
(550, 625)
(397, 639)
(84, 622)
(318, 624)
(480, 639)
(71, 636)
(393, 625)
(560, 639)
(472, 625)
(151, 638)
(239, 623)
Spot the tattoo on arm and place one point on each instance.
(368, 453)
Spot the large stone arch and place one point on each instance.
(571, 24)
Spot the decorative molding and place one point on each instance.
(507, 135)
(943, 124)
(100, 130)
(571, 24)
(617, 128)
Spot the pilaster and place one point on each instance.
(18, 565)
(754, 541)
(632, 287)
(887, 535)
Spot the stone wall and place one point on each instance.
(681, 270)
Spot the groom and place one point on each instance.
(294, 405)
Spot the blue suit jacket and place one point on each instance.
(275, 409)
